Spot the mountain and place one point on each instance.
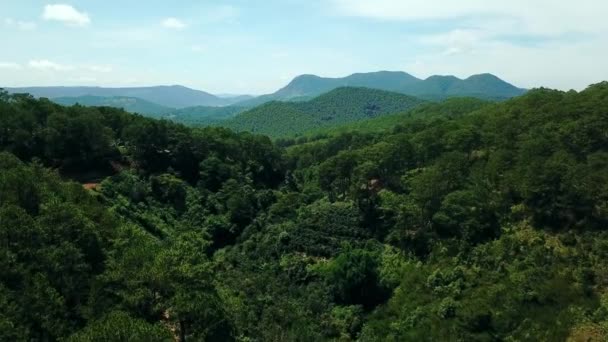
(169, 96)
(129, 104)
(301, 88)
(193, 116)
(337, 107)
(235, 97)
(483, 86)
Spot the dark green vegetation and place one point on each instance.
(465, 221)
(484, 86)
(203, 116)
(129, 104)
(338, 107)
(448, 108)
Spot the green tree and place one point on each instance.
(120, 326)
(353, 275)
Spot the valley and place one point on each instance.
(304, 171)
(405, 219)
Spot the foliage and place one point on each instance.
(204, 116)
(340, 106)
(119, 326)
(461, 220)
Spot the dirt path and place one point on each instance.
(91, 186)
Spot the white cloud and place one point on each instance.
(44, 64)
(530, 43)
(20, 25)
(537, 17)
(562, 66)
(66, 14)
(173, 23)
(8, 65)
(422, 9)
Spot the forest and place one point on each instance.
(333, 109)
(460, 220)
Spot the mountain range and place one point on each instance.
(168, 96)
(301, 88)
(129, 104)
(483, 86)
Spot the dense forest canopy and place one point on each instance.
(457, 221)
(204, 116)
(335, 108)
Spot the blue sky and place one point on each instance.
(256, 47)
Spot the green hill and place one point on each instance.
(338, 107)
(483, 86)
(447, 108)
(129, 104)
(202, 115)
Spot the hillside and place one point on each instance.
(202, 115)
(460, 220)
(129, 104)
(338, 107)
(448, 108)
(483, 86)
(167, 96)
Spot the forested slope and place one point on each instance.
(203, 116)
(337, 107)
(129, 104)
(474, 222)
(447, 108)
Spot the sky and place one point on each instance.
(256, 47)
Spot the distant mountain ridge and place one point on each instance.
(168, 96)
(129, 104)
(199, 105)
(483, 86)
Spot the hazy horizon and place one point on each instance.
(228, 95)
(242, 48)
